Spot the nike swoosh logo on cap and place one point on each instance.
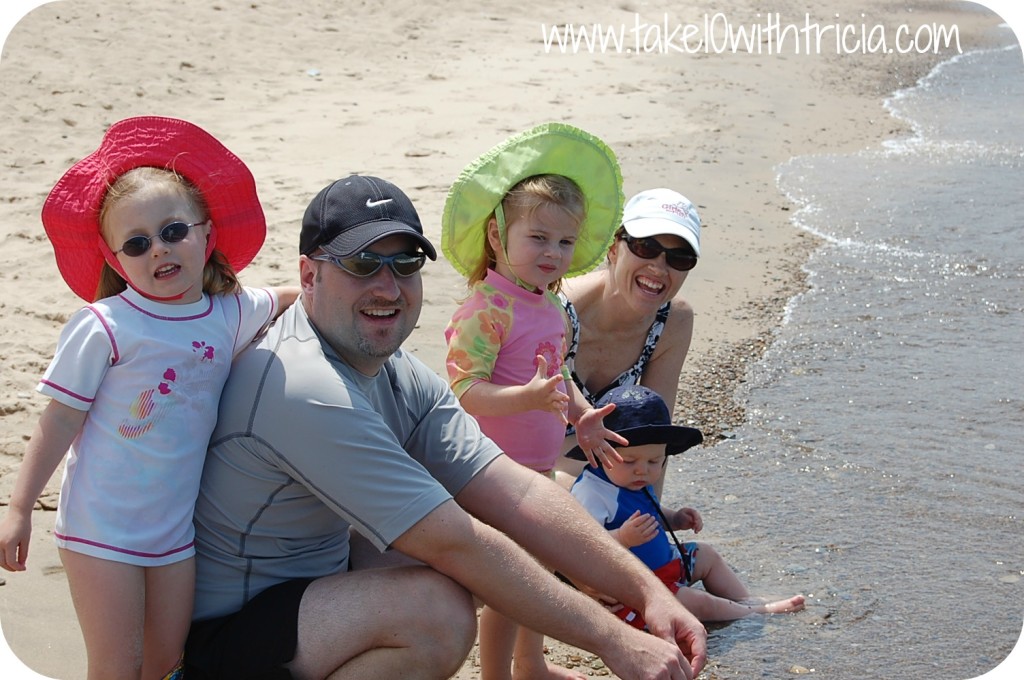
(374, 204)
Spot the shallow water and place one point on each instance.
(881, 470)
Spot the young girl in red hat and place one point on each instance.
(150, 229)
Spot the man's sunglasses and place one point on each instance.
(681, 259)
(171, 233)
(366, 264)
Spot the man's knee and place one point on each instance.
(455, 606)
(449, 607)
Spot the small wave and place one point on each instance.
(965, 151)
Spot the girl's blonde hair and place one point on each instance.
(219, 277)
(523, 200)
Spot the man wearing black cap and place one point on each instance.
(327, 423)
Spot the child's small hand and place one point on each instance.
(15, 532)
(687, 518)
(593, 437)
(543, 392)
(638, 529)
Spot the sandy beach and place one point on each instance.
(308, 92)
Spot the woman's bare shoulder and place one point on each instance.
(675, 339)
(681, 312)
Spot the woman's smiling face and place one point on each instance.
(650, 283)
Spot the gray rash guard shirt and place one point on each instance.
(305, 447)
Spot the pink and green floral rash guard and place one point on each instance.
(496, 336)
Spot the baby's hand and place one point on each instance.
(638, 529)
(592, 437)
(543, 392)
(687, 518)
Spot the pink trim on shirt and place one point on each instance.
(209, 308)
(72, 539)
(238, 326)
(68, 392)
(110, 334)
(273, 312)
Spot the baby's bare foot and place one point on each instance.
(788, 606)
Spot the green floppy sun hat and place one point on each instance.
(548, 149)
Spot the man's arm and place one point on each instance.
(500, 573)
(546, 520)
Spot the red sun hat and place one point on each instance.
(71, 213)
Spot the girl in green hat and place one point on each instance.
(540, 206)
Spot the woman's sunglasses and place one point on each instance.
(171, 233)
(366, 264)
(681, 259)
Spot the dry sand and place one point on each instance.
(306, 92)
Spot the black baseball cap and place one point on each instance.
(350, 214)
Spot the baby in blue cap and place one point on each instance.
(622, 499)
